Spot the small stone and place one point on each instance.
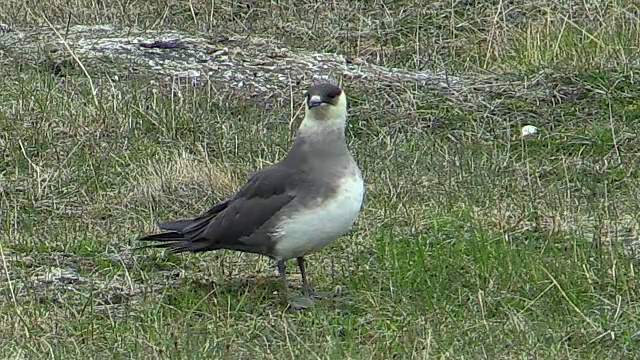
(529, 130)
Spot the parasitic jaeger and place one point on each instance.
(290, 209)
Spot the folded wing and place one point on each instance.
(240, 223)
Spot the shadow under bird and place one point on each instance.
(289, 209)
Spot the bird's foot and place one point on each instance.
(337, 292)
(301, 302)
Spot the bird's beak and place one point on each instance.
(314, 101)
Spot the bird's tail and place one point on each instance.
(179, 238)
(183, 235)
(172, 240)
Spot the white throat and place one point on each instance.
(311, 126)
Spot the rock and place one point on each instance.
(254, 67)
(528, 130)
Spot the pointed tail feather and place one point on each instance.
(165, 237)
(175, 242)
(183, 235)
(170, 240)
(177, 226)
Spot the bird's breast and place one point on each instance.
(310, 228)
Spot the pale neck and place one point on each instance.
(312, 128)
(319, 140)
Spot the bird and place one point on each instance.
(290, 209)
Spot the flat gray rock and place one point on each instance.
(257, 67)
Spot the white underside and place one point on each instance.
(316, 227)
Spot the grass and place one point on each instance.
(473, 243)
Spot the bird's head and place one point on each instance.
(326, 103)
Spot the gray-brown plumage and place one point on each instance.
(292, 208)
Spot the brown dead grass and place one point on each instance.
(180, 171)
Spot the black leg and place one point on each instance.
(282, 271)
(305, 284)
(306, 288)
(296, 302)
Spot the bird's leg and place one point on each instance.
(306, 289)
(282, 271)
(297, 303)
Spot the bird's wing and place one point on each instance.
(262, 197)
(233, 223)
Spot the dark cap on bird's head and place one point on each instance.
(323, 93)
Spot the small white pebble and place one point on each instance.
(529, 130)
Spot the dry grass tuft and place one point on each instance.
(180, 173)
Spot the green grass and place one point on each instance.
(473, 242)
